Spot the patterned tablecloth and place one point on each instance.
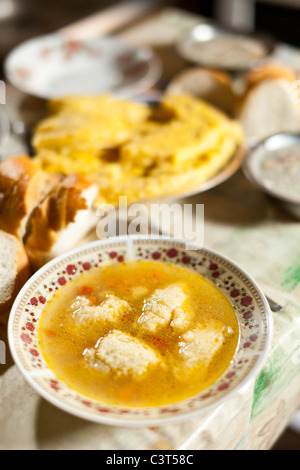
(240, 223)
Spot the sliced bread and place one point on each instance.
(268, 105)
(61, 220)
(269, 108)
(269, 71)
(23, 185)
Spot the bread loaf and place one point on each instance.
(269, 106)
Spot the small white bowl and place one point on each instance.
(277, 189)
(250, 305)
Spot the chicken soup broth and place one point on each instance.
(139, 333)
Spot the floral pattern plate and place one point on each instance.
(249, 303)
(52, 66)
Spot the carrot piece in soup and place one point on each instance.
(85, 290)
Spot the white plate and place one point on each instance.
(52, 66)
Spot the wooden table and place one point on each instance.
(241, 223)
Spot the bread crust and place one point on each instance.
(52, 216)
(268, 72)
(268, 108)
(11, 287)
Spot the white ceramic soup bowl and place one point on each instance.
(250, 305)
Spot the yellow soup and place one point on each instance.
(140, 333)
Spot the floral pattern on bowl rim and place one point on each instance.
(249, 303)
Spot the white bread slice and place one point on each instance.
(212, 86)
(268, 108)
(23, 185)
(61, 220)
(14, 269)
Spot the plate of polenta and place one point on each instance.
(177, 147)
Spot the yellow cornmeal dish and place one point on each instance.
(139, 333)
(134, 149)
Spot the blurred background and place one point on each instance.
(22, 19)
